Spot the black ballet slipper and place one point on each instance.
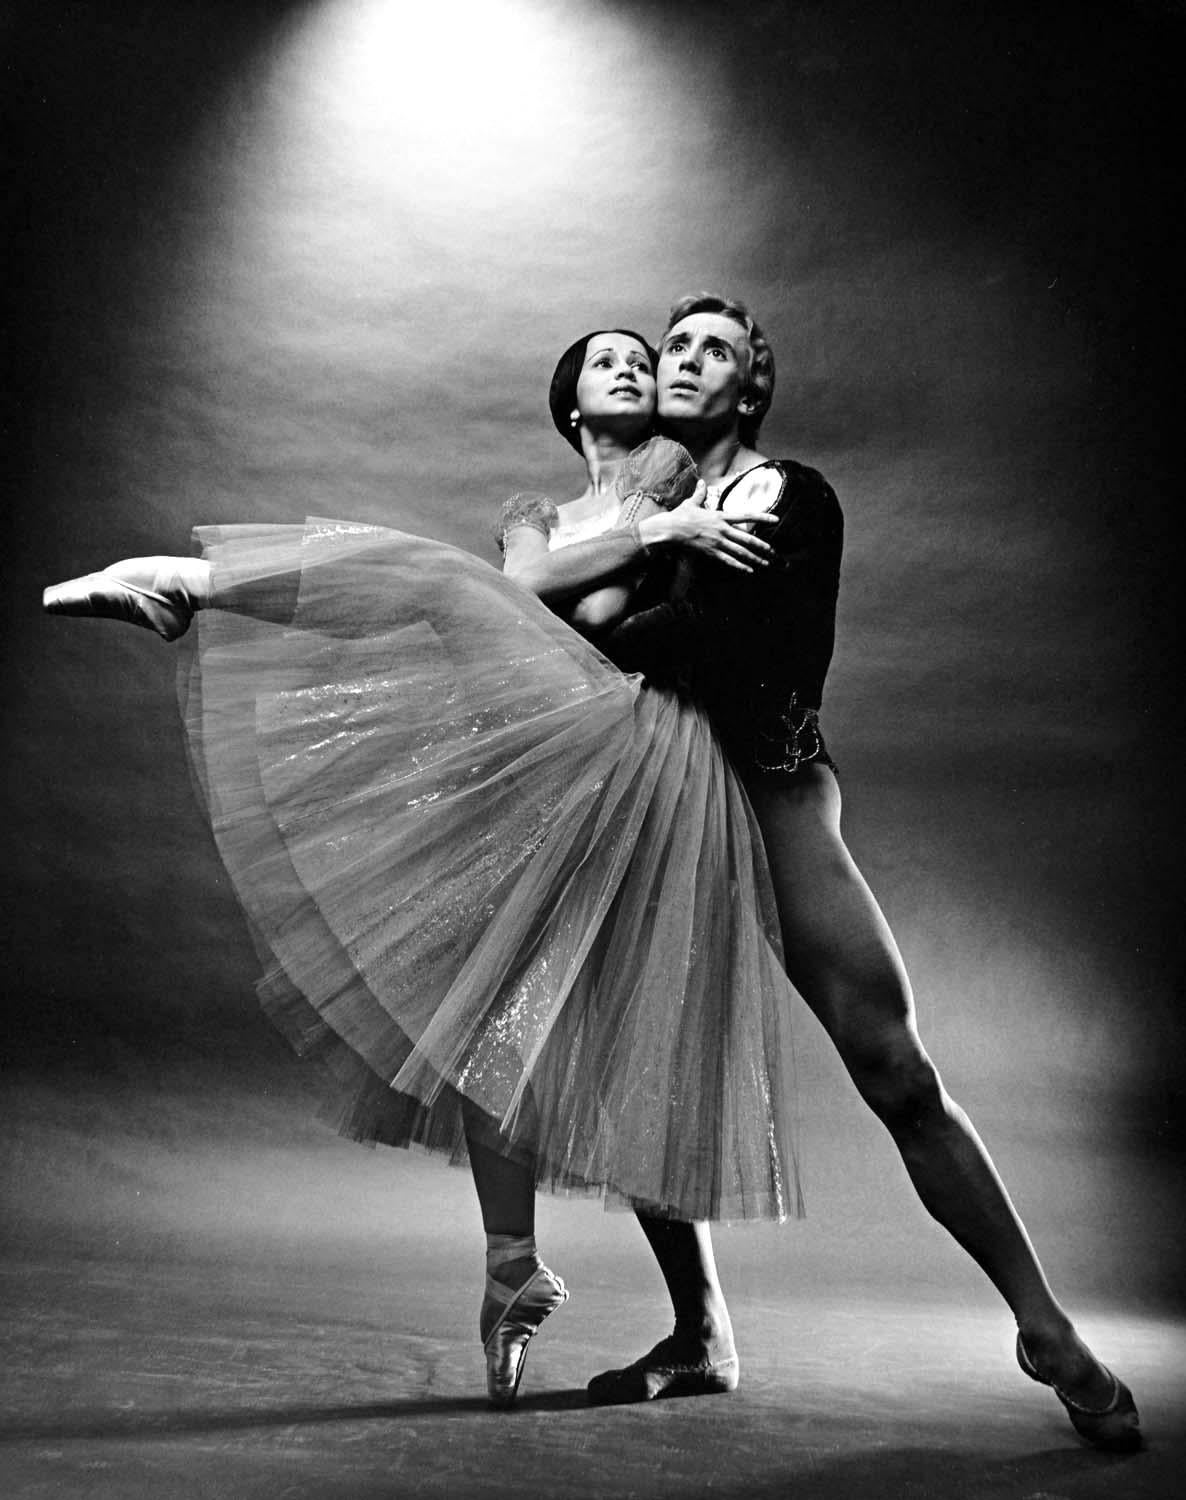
(661, 1374)
(1114, 1428)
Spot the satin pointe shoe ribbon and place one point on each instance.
(523, 1312)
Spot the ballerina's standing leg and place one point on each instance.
(520, 1290)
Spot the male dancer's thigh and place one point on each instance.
(840, 952)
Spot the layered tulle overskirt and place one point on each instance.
(491, 878)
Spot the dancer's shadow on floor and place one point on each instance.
(94, 1426)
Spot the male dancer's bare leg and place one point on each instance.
(842, 958)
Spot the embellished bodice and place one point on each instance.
(566, 532)
(660, 469)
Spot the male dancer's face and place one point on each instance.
(703, 373)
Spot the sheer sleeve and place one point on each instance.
(526, 508)
(661, 470)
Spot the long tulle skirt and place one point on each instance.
(491, 878)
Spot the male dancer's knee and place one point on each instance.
(904, 1094)
(894, 1076)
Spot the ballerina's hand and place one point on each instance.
(709, 533)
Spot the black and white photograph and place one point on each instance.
(592, 738)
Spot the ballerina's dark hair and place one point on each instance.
(562, 393)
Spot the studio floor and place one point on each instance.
(224, 1368)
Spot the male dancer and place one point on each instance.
(755, 649)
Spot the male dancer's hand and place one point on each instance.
(708, 533)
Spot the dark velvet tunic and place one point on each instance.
(753, 649)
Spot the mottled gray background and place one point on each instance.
(272, 260)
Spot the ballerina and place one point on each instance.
(480, 862)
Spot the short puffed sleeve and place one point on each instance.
(526, 509)
(661, 470)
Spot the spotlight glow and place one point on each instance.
(451, 71)
(468, 101)
(509, 167)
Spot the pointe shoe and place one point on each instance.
(662, 1373)
(160, 593)
(524, 1310)
(1115, 1426)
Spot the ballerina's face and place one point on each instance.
(616, 386)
